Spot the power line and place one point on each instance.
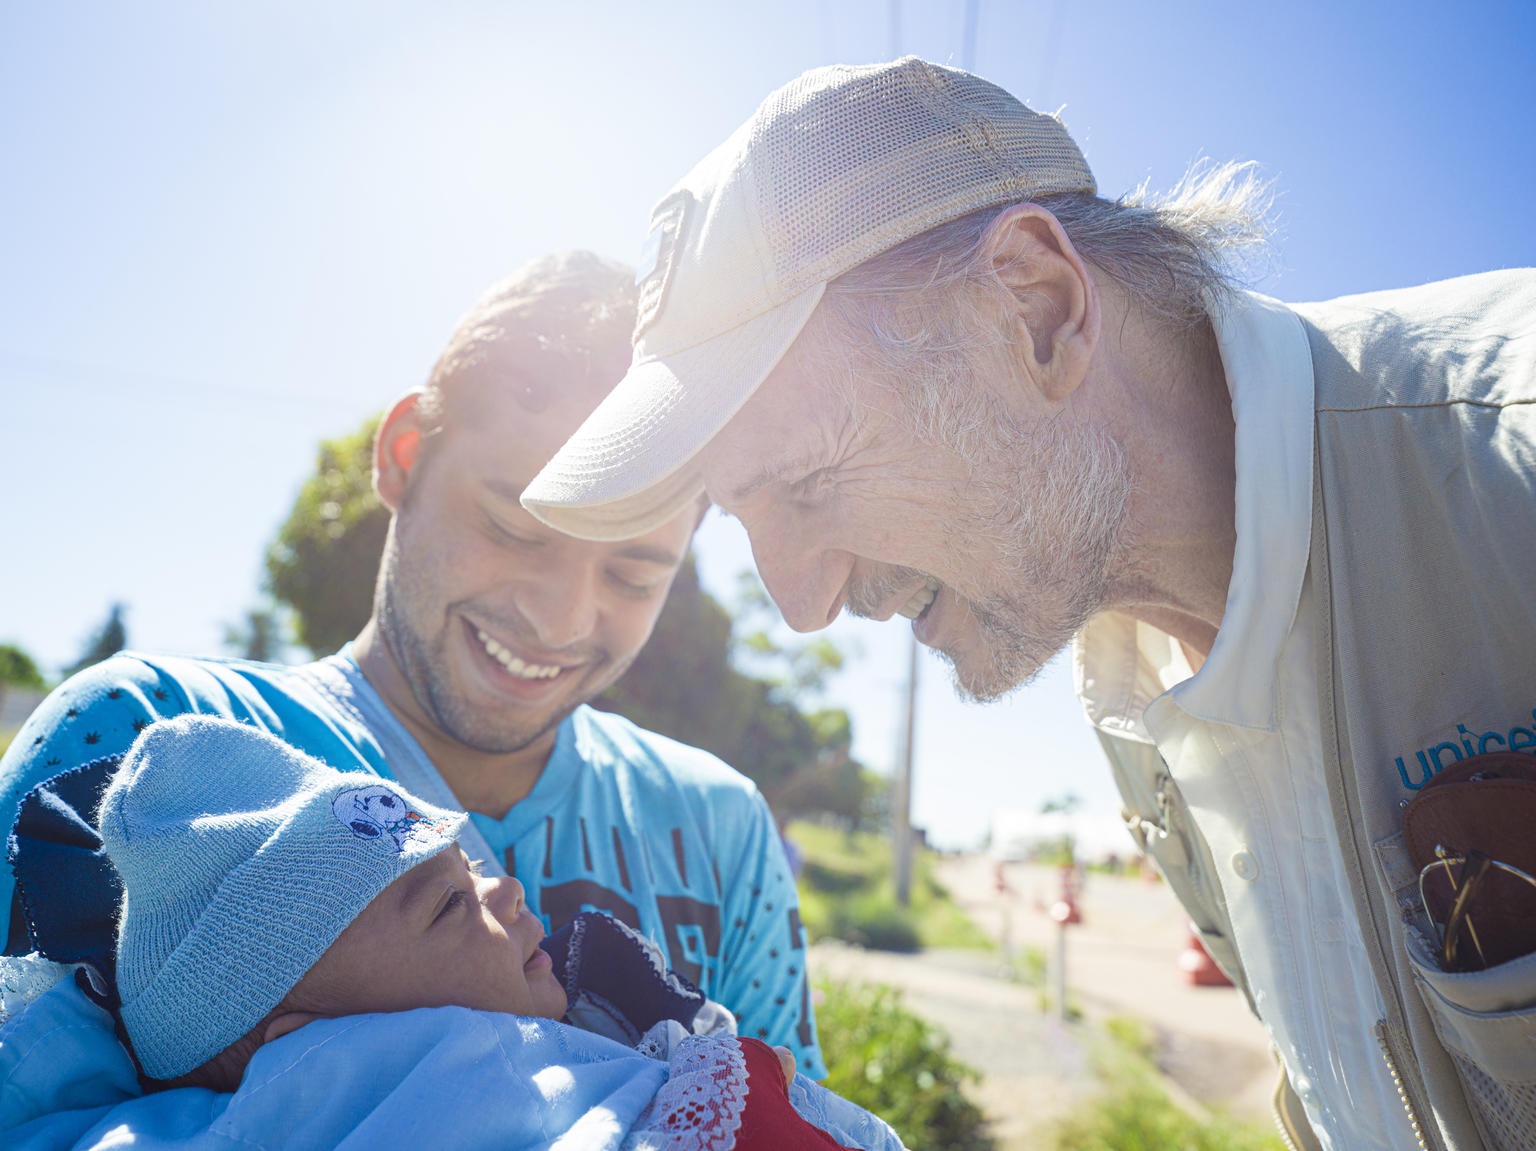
(21, 371)
(1050, 49)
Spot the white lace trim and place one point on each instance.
(657, 1043)
(23, 979)
(699, 1107)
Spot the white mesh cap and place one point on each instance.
(837, 166)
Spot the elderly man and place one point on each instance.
(469, 683)
(890, 325)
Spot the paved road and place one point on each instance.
(1122, 960)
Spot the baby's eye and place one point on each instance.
(476, 867)
(454, 901)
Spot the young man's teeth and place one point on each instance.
(516, 666)
(919, 603)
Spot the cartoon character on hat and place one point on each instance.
(376, 811)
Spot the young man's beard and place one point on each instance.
(423, 664)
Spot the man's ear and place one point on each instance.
(281, 1024)
(395, 449)
(1055, 299)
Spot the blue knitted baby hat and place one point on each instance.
(242, 860)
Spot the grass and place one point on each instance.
(1135, 1113)
(1029, 966)
(847, 891)
(901, 1069)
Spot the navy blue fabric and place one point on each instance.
(66, 887)
(605, 965)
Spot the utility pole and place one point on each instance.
(968, 35)
(901, 801)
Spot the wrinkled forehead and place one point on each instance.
(791, 425)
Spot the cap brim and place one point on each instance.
(629, 468)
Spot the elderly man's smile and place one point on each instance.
(921, 601)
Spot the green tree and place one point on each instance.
(109, 639)
(326, 555)
(259, 636)
(1064, 804)
(796, 667)
(684, 685)
(18, 669)
(18, 672)
(1061, 851)
(835, 786)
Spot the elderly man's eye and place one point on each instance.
(814, 487)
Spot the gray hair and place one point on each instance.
(914, 316)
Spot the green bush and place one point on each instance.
(876, 922)
(847, 891)
(887, 1060)
(830, 878)
(1132, 1035)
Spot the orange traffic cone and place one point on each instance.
(1199, 968)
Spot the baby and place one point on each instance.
(275, 891)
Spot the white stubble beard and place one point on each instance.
(1056, 499)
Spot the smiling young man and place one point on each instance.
(469, 683)
(489, 629)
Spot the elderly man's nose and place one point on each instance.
(808, 584)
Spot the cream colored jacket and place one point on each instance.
(1415, 626)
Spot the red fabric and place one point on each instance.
(769, 1122)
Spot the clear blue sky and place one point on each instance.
(230, 230)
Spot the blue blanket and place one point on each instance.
(439, 1077)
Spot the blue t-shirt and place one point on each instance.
(664, 836)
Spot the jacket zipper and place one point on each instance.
(1287, 1136)
(1290, 1117)
(1397, 1081)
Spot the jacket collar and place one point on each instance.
(1123, 664)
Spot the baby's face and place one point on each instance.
(439, 936)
